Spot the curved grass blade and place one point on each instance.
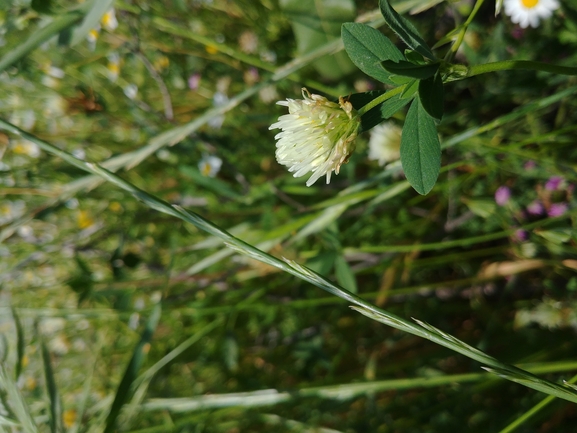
(125, 387)
(42, 35)
(20, 343)
(12, 398)
(55, 405)
(419, 329)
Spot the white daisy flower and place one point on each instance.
(210, 165)
(385, 143)
(130, 90)
(113, 67)
(109, 21)
(317, 135)
(528, 12)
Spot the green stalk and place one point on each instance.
(380, 99)
(508, 65)
(522, 419)
(455, 47)
(417, 327)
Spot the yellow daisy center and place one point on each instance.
(529, 3)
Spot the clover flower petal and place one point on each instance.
(316, 136)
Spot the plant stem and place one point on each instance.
(380, 99)
(507, 65)
(455, 47)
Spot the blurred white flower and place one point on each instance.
(528, 12)
(130, 90)
(25, 147)
(51, 325)
(92, 37)
(25, 119)
(11, 210)
(317, 135)
(248, 42)
(218, 100)
(210, 165)
(109, 21)
(385, 143)
(268, 94)
(54, 106)
(113, 67)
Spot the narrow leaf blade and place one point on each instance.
(408, 69)
(124, 388)
(406, 31)
(420, 149)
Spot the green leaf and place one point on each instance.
(42, 6)
(379, 113)
(408, 69)
(344, 274)
(316, 23)
(367, 47)
(405, 30)
(431, 94)
(420, 149)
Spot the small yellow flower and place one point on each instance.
(84, 219)
(317, 135)
(69, 418)
(161, 63)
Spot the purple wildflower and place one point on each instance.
(536, 208)
(521, 235)
(557, 209)
(502, 195)
(530, 165)
(553, 183)
(194, 81)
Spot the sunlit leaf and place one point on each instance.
(367, 47)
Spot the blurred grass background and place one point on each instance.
(85, 268)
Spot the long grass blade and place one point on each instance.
(125, 387)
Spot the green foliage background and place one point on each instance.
(165, 325)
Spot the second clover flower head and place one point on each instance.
(316, 136)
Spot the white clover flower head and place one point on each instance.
(385, 143)
(528, 12)
(317, 135)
